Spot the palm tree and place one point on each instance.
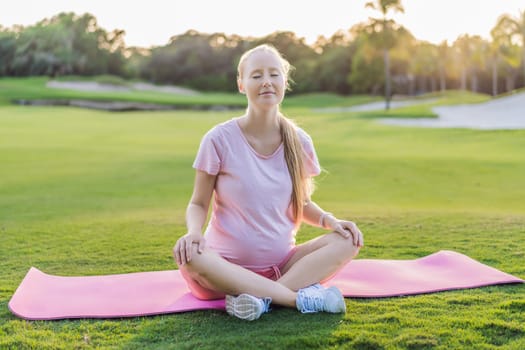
(517, 28)
(385, 36)
(504, 37)
(501, 36)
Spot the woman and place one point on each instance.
(258, 169)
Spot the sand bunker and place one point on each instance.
(94, 86)
(501, 113)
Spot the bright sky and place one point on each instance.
(153, 22)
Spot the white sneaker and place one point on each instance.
(247, 307)
(316, 298)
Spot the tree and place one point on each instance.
(332, 65)
(462, 54)
(367, 72)
(401, 57)
(382, 31)
(377, 56)
(443, 52)
(67, 44)
(511, 61)
(7, 51)
(504, 53)
(197, 60)
(425, 65)
(496, 47)
(516, 29)
(478, 59)
(367, 66)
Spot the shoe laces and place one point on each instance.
(266, 304)
(311, 301)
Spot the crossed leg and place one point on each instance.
(317, 260)
(313, 262)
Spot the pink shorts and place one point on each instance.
(203, 293)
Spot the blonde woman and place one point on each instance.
(258, 170)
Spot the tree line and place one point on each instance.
(367, 58)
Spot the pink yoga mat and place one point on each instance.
(46, 297)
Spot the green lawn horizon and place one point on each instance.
(13, 90)
(86, 192)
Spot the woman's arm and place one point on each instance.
(196, 214)
(315, 216)
(312, 214)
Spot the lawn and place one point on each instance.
(34, 88)
(88, 192)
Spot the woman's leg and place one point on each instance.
(212, 271)
(317, 260)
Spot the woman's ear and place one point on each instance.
(239, 85)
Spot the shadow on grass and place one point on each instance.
(280, 329)
(499, 333)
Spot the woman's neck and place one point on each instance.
(261, 121)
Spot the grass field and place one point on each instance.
(34, 88)
(87, 192)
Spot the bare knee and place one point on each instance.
(344, 248)
(202, 265)
(194, 263)
(195, 267)
(197, 281)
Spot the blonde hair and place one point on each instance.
(286, 67)
(302, 185)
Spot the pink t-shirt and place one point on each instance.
(251, 223)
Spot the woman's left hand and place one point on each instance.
(346, 229)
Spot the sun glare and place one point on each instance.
(430, 20)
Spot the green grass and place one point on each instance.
(34, 88)
(427, 101)
(319, 100)
(87, 192)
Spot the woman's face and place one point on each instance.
(263, 80)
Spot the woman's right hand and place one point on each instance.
(183, 248)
